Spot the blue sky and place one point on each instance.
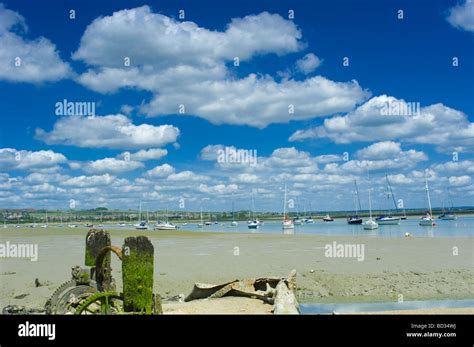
(336, 132)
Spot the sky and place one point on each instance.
(198, 104)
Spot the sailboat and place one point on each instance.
(388, 219)
(165, 225)
(297, 220)
(209, 222)
(370, 224)
(46, 220)
(309, 220)
(328, 218)
(287, 223)
(447, 215)
(355, 219)
(201, 224)
(428, 219)
(253, 223)
(234, 222)
(142, 225)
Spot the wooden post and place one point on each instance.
(96, 240)
(137, 274)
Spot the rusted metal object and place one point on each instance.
(103, 271)
(277, 291)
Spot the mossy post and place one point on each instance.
(96, 240)
(137, 274)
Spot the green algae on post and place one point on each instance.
(96, 240)
(137, 274)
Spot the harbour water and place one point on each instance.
(461, 227)
(383, 306)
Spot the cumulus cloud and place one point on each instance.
(144, 155)
(126, 32)
(184, 66)
(436, 124)
(25, 60)
(187, 176)
(12, 159)
(161, 171)
(462, 16)
(112, 131)
(90, 181)
(459, 181)
(111, 165)
(308, 63)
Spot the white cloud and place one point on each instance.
(187, 176)
(380, 150)
(112, 131)
(258, 101)
(210, 152)
(308, 63)
(90, 181)
(184, 64)
(218, 189)
(144, 155)
(462, 16)
(247, 178)
(111, 165)
(436, 124)
(459, 181)
(161, 171)
(39, 60)
(125, 33)
(12, 159)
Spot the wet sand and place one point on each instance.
(416, 267)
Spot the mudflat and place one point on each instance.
(416, 268)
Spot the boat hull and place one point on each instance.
(354, 221)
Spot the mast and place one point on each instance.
(233, 218)
(284, 205)
(370, 205)
(358, 198)
(428, 194)
(140, 212)
(391, 192)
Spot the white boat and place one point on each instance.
(370, 224)
(253, 224)
(234, 223)
(328, 218)
(428, 219)
(388, 219)
(308, 220)
(165, 226)
(297, 221)
(143, 225)
(447, 216)
(201, 224)
(287, 223)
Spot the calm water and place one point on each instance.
(461, 227)
(383, 306)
